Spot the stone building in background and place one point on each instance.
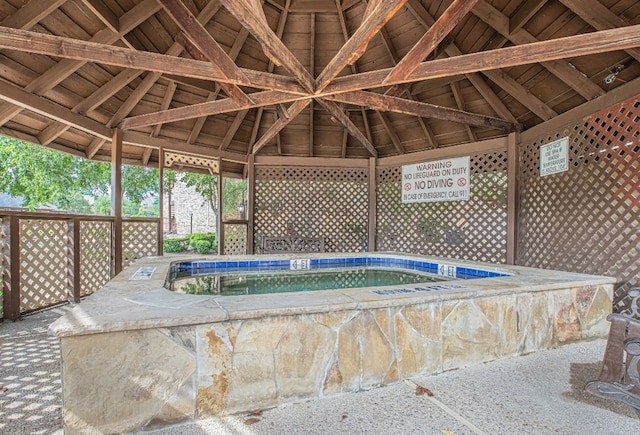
(190, 212)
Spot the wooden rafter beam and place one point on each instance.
(599, 17)
(104, 14)
(251, 15)
(277, 126)
(231, 132)
(31, 13)
(430, 40)
(207, 45)
(387, 103)
(339, 115)
(375, 18)
(395, 140)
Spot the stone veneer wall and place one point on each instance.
(145, 378)
(189, 203)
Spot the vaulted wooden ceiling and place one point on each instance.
(309, 78)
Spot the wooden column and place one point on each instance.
(251, 182)
(116, 199)
(11, 269)
(161, 201)
(219, 224)
(73, 260)
(513, 185)
(371, 242)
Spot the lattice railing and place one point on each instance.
(58, 257)
(235, 239)
(43, 263)
(139, 239)
(588, 218)
(472, 230)
(329, 203)
(95, 255)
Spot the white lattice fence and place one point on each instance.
(139, 239)
(588, 218)
(43, 263)
(472, 230)
(95, 255)
(313, 202)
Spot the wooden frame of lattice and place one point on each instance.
(177, 161)
(588, 218)
(313, 202)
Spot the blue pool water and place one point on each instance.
(298, 275)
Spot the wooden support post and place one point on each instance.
(161, 201)
(116, 199)
(219, 224)
(513, 185)
(371, 243)
(73, 260)
(11, 267)
(251, 182)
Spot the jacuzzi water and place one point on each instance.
(227, 278)
(249, 283)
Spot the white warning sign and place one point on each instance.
(442, 180)
(554, 157)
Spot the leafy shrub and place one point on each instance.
(202, 246)
(209, 237)
(178, 244)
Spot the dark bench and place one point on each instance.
(291, 245)
(619, 377)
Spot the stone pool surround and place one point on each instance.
(136, 355)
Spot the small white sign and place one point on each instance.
(143, 273)
(447, 270)
(554, 157)
(442, 180)
(300, 264)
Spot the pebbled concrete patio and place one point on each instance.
(540, 393)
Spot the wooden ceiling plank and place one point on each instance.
(542, 51)
(423, 16)
(386, 103)
(146, 155)
(207, 45)
(166, 101)
(561, 69)
(95, 146)
(277, 126)
(233, 129)
(63, 69)
(251, 15)
(26, 100)
(526, 11)
(197, 126)
(457, 95)
(430, 40)
(386, 123)
(265, 98)
(31, 13)
(52, 132)
(599, 17)
(340, 116)
(104, 14)
(355, 47)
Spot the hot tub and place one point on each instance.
(135, 354)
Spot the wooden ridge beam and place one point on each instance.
(294, 110)
(375, 18)
(339, 115)
(204, 42)
(430, 40)
(387, 103)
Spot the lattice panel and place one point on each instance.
(313, 202)
(43, 263)
(139, 239)
(588, 218)
(177, 160)
(3, 240)
(475, 229)
(235, 239)
(95, 255)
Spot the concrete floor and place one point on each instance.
(540, 393)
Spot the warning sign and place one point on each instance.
(442, 180)
(554, 157)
